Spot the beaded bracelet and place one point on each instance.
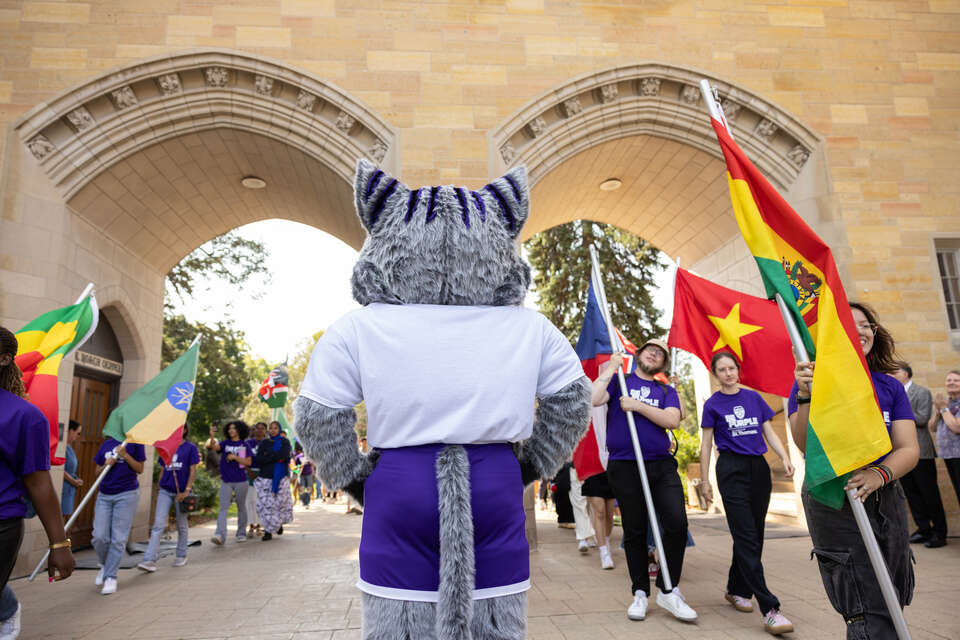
(884, 474)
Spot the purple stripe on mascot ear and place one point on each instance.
(377, 194)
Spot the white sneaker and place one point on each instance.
(109, 586)
(638, 608)
(147, 565)
(217, 540)
(606, 560)
(179, 562)
(583, 547)
(592, 543)
(675, 603)
(99, 579)
(241, 538)
(10, 629)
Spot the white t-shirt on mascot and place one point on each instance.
(441, 374)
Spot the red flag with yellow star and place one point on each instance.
(708, 318)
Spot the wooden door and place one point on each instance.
(90, 405)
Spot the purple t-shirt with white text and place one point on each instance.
(185, 457)
(121, 477)
(230, 470)
(892, 397)
(24, 449)
(653, 439)
(737, 421)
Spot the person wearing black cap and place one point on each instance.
(656, 409)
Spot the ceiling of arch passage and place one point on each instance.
(166, 200)
(673, 195)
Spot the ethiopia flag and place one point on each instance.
(43, 344)
(593, 348)
(846, 429)
(156, 412)
(709, 319)
(274, 389)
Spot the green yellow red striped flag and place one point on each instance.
(155, 413)
(42, 345)
(846, 429)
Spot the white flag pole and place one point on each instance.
(638, 452)
(856, 506)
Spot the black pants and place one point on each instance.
(953, 470)
(11, 535)
(745, 485)
(845, 568)
(923, 496)
(667, 495)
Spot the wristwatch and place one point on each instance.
(60, 545)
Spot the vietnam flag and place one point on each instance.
(593, 348)
(43, 344)
(708, 319)
(846, 429)
(156, 412)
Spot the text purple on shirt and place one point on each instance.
(24, 449)
(230, 470)
(653, 439)
(121, 477)
(737, 421)
(185, 457)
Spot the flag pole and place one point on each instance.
(673, 350)
(76, 513)
(859, 512)
(616, 347)
(86, 292)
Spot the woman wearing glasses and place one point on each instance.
(845, 568)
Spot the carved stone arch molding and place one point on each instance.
(84, 131)
(648, 99)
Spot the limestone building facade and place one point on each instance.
(128, 128)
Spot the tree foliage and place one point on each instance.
(561, 259)
(230, 259)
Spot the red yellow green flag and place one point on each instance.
(43, 344)
(846, 429)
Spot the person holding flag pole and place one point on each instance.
(845, 411)
(653, 470)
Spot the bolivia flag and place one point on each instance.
(43, 344)
(708, 319)
(593, 348)
(156, 412)
(274, 389)
(846, 428)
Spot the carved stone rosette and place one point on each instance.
(572, 107)
(306, 100)
(690, 94)
(608, 93)
(507, 152)
(649, 87)
(345, 122)
(169, 84)
(730, 108)
(123, 97)
(378, 151)
(765, 128)
(263, 85)
(81, 119)
(40, 147)
(217, 77)
(537, 126)
(798, 155)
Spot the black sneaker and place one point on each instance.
(918, 537)
(280, 531)
(935, 541)
(267, 536)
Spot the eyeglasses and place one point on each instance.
(867, 326)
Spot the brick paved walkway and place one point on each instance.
(300, 586)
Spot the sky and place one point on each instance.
(309, 289)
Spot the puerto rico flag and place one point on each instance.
(593, 348)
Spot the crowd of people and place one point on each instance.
(736, 421)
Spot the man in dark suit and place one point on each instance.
(920, 485)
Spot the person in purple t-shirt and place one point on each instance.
(235, 457)
(259, 432)
(845, 568)
(176, 483)
(24, 471)
(115, 507)
(656, 409)
(738, 420)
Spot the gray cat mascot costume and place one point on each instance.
(469, 397)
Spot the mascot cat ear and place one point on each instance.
(512, 197)
(371, 190)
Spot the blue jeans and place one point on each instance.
(165, 500)
(229, 490)
(112, 517)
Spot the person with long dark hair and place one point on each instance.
(235, 457)
(176, 483)
(738, 420)
(257, 435)
(274, 500)
(24, 472)
(845, 568)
